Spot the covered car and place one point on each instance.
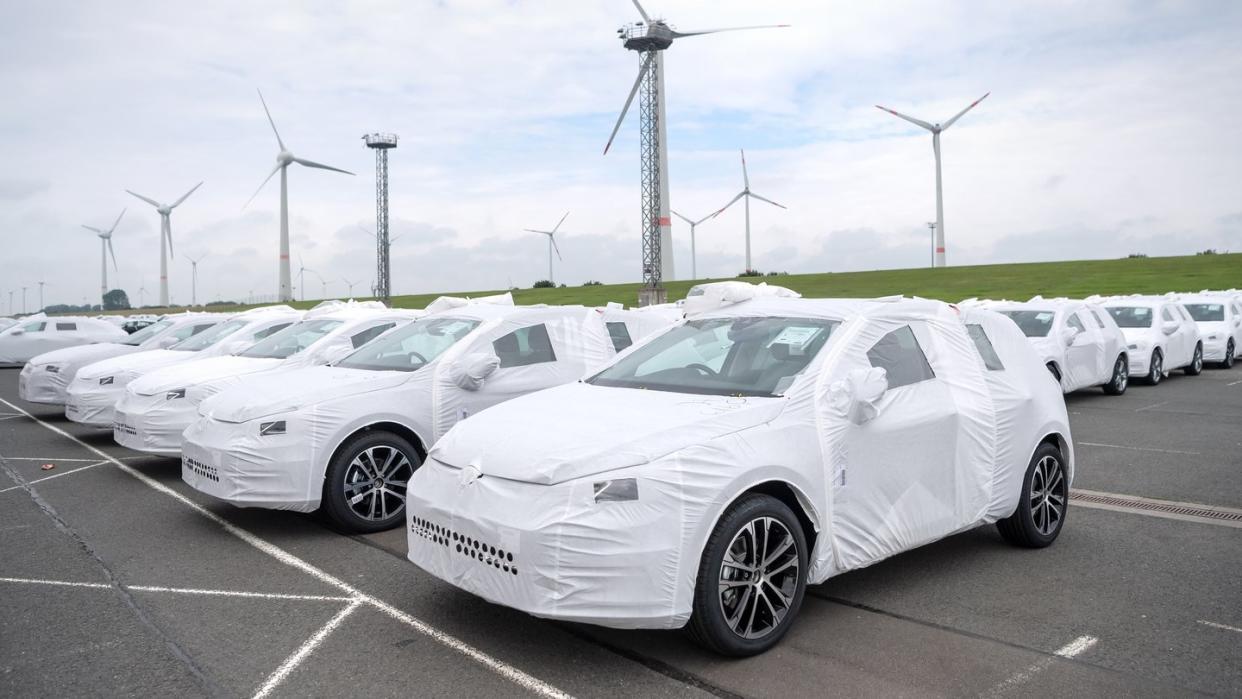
(6, 323)
(1079, 341)
(710, 474)
(155, 409)
(1160, 336)
(346, 437)
(35, 335)
(97, 387)
(1219, 317)
(46, 378)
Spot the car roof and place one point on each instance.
(835, 309)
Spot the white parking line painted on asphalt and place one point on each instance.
(291, 663)
(182, 590)
(55, 475)
(52, 460)
(1149, 407)
(1074, 648)
(509, 672)
(1122, 446)
(1234, 383)
(1077, 647)
(1215, 625)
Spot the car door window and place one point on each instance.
(899, 354)
(982, 343)
(36, 327)
(66, 326)
(1099, 320)
(1166, 314)
(525, 346)
(620, 335)
(369, 334)
(1073, 321)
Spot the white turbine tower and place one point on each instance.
(650, 38)
(551, 243)
(194, 277)
(936, 129)
(105, 248)
(747, 195)
(165, 211)
(283, 159)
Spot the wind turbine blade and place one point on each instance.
(116, 222)
(642, 71)
(532, 230)
(113, 254)
(148, 200)
(92, 228)
(682, 35)
(269, 119)
(745, 177)
(641, 11)
(321, 166)
(731, 203)
(756, 196)
(693, 223)
(912, 120)
(558, 223)
(168, 234)
(185, 196)
(260, 189)
(555, 247)
(957, 116)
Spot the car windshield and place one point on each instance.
(207, 338)
(1206, 312)
(1032, 323)
(147, 333)
(292, 339)
(412, 347)
(750, 356)
(1131, 316)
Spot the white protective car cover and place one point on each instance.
(1081, 339)
(508, 505)
(155, 409)
(225, 456)
(97, 387)
(46, 378)
(37, 334)
(712, 295)
(1216, 334)
(1170, 330)
(6, 323)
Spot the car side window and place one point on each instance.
(272, 330)
(66, 326)
(35, 327)
(982, 343)
(899, 354)
(369, 334)
(620, 335)
(1165, 314)
(525, 346)
(1075, 323)
(189, 331)
(1098, 320)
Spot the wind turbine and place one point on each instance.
(650, 38)
(551, 243)
(391, 239)
(194, 277)
(105, 247)
(302, 269)
(747, 195)
(694, 270)
(165, 211)
(936, 129)
(41, 306)
(350, 285)
(283, 159)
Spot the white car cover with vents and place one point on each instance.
(1219, 318)
(1080, 340)
(46, 378)
(155, 409)
(1154, 327)
(97, 387)
(37, 334)
(593, 503)
(225, 455)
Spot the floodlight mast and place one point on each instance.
(381, 143)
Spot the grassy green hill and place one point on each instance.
(1015, 281)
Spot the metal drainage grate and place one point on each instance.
(1146, 505)
(470, 547)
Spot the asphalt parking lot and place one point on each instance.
(115, 578)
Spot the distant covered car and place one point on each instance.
(347, 437)
(6, 323)
(1079, 341)
(46, 378)
(34, 336)
(155, 409)
(708, 475)
(1219, 318)
(97, 387)
(1160, 336)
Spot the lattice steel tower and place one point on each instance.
(381, 143)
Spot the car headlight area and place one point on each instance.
(241, 464)
(42, 383)
(578, 551)
(90, 401)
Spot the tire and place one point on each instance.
(1052, 369)
(1041, 510)
(380, 501)
(1155, 372)
(1196, 363)
(1116, 386)
(717, 614)
(1230, 351)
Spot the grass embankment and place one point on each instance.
(1075, 279)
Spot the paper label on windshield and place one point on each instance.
(1044, 317)
(796, 336)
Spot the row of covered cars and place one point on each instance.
(692, 466)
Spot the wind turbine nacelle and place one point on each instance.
(656, 36)
(284, 157)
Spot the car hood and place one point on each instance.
(193, 373)
(83, 354)
(138, 362)
(579, 430)
(285, 391)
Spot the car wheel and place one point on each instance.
(1041, 508)
(364, 487)
(1121, 377)
(1156, 373)
(1052, 369)
(752, 578)
(1196, 364)
(1229, 355)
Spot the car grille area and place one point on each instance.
(205, 470)
(482, 552)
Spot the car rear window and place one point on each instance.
(900, 356)
(982, 343)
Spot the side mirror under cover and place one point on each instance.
(471, 370)
(856, 396)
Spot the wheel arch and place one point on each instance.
(404, 431)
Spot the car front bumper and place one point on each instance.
(1214, 350)
(36, 384)
(92, 405)
(231, 462)
(1139, 361)
(152, 424)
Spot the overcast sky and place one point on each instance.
(1112, 128)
